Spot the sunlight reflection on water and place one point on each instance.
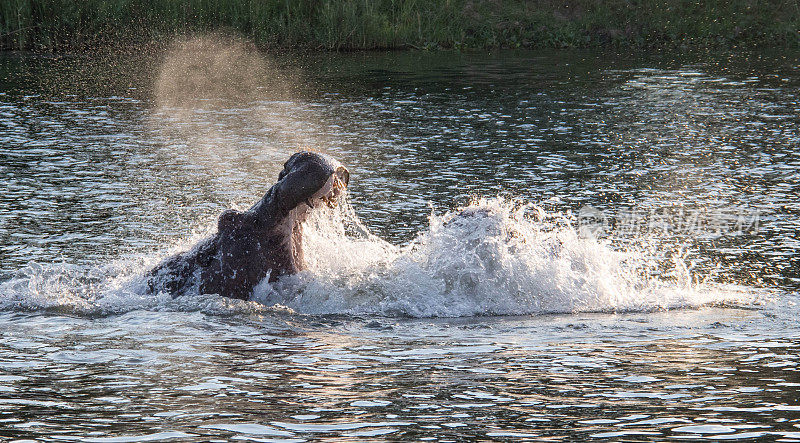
(93, 175)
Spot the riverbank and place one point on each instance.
(65, 25)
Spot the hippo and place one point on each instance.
(264, 241)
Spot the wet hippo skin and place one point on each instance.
(265, 240)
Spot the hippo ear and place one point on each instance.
(229, 220)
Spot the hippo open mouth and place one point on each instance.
(329, 194)
(265, 240)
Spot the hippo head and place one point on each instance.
(312, 179)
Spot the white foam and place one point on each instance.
(107, 289)
(493, 257)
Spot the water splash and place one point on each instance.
(492, 257)
(230, 108)
(108, 289)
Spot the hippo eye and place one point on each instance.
(290, 164)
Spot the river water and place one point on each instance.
(535, 245)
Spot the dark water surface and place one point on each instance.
(655, 291)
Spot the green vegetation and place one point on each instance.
(58, 25)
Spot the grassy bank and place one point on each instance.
(59, 25)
